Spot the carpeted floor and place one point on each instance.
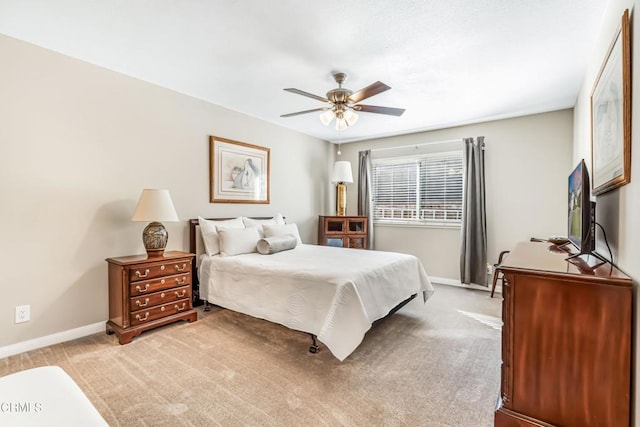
(427, 365)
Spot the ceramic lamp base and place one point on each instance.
(155, 237)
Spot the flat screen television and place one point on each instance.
(581, 212)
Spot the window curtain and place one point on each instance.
(473, 251)
(365, 202)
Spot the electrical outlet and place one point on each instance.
(23, 313)
(489, 269)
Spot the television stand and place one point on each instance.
(567, 339)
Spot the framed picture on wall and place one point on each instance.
(238, 172)
(611, 115)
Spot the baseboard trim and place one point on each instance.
(455, 282)
(57, 338)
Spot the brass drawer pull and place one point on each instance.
(139, 304)
(146, 273)
(142, 319)
(181, 282)
(184, 267)
(139, 289)
(184, 305)
(182, 295)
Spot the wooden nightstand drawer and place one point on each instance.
(149, 271)
(164, 310)
(162, 297)
(148, 286)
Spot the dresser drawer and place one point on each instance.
(150, 271)
(148, 286)
(149, 300)
(142, 316)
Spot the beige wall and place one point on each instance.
(78, 144)
(527, 161)
(617, 210)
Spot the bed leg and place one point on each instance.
(314, 347)
(207, 307)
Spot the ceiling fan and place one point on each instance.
(345, 103)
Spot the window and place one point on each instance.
(424, 189)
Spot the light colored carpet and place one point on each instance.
(427, 365)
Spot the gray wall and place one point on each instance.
(79, 143)
(527, 162)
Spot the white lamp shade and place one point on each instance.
(155, 205)
(341, 172)
(341, 123)
(326, 117)
(351, 117)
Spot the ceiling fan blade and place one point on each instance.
(369, 91)
(379, 110)
(303, 93)
(303, 112)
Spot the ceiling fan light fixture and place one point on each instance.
(327, 117)
(343, 103)
(351, 117)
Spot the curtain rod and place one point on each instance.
(373, 150)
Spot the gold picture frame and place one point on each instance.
(238, 172)
(611, 115)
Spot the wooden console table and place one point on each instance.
(566, 341)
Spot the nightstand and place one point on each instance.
(145, 293)
(343, 231)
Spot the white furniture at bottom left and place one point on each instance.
(45, 396)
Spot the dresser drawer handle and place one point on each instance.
(181, 282)
(142, 319)
(183, 268)
(139, 289)
(139, 304)
(184, 305)
(182, 295)
(146, 273)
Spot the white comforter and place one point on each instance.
(333, 293)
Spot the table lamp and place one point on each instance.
(340, 176)
(155, 206)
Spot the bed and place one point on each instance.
(334, 294)
(45, 396)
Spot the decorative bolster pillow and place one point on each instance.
(271, 245)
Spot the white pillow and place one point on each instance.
(272, 245)
(210, 234)
(271, 230)
(258, 223)
(236, 241)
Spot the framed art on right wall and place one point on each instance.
(611, 115)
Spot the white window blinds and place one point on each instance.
(424, 189)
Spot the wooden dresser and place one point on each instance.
(343, 231)
(566, 341)
(145, 293)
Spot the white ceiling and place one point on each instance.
(448, 62)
